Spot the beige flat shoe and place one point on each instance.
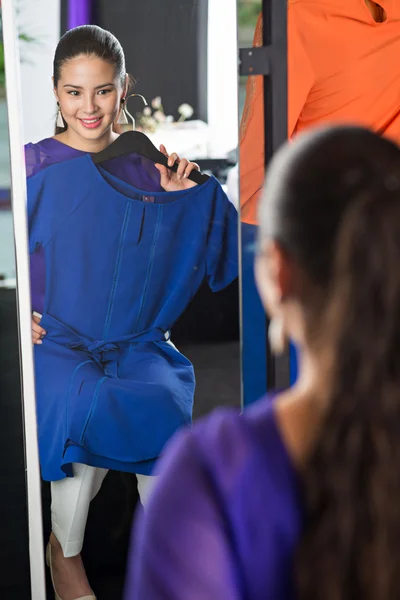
(48, 561)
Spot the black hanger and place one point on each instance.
(138, 142)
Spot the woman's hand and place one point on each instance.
(173, 182)
(37, 332)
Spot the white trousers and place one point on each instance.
(70, 500)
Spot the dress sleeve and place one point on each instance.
(222, 244)
(180, 547)
(34, 159)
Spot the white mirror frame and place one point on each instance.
(19, 199)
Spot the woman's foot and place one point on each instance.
(69, 576)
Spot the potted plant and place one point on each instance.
(188, 137)
(153, 117)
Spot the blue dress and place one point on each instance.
(132, 168)
(121, 267)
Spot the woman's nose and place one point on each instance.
(89, 106)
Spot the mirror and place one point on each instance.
(134, 278)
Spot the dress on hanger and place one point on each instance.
(133, 169)
(122, 264)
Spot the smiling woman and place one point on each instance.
(94, 312)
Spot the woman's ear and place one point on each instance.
(126, 87)
(273, 275)
(282, 270)
(55, 90)
(279, 269)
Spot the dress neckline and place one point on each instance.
(382, 4)
(180, 195)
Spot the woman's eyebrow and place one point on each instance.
(79, 87)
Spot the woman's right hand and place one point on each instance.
(37, 332)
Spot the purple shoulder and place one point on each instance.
(35, 157)
(45, 153)
(223, 423)
(227, 439)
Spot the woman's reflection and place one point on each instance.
(117, 254)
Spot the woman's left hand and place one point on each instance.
(171, 181)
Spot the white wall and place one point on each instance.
(222, 76)
(41, 20)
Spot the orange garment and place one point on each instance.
(343, 67)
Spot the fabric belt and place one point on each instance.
(104, 353)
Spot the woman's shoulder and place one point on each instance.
(37, 156)
(41, 145)
(227, 444)
(235, 466)
(225, 425)
(47, 152)
(235, 434)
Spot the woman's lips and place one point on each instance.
(91, 123)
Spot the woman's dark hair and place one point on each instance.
(89, 40)
(333, 203)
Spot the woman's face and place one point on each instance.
(89, 91)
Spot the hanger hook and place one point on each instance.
(128, 113)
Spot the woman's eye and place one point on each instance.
(77, 93)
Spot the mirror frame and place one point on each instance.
(18, 202)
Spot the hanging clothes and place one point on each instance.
(342, 68)
(122, 265)
(134, 169)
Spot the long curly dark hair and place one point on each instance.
(333, 203)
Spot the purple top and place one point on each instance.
(225, 517)
(133, 169)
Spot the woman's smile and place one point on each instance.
(91, 123)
